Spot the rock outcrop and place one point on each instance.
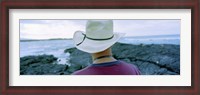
(160, 59)
(153, 59)
(41, 65)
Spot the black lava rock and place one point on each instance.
(153, 59)
(41, 65)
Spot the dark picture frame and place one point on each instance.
(194, 5)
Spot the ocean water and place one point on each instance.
(162, 39)
(54, 47)
(57, 47)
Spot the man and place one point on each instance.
(97, 40)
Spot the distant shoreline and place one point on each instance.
(153, 36)
(150, 36)
(44, 39)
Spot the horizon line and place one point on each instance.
(72, 38)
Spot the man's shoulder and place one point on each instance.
(82, 71)
(121, 66)
(126, 64)
(130, 66)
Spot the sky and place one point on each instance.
(51, 29)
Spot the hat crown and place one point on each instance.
(99, 29)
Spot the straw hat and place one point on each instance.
(98, 37)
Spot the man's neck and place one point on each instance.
(102, 57)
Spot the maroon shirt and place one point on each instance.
(109, 68)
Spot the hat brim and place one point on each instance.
(94, 46)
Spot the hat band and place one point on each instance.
(93, 39)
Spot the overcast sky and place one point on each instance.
(46, 29)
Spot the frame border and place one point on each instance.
(194, 5)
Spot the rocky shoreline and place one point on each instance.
(153, 59)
